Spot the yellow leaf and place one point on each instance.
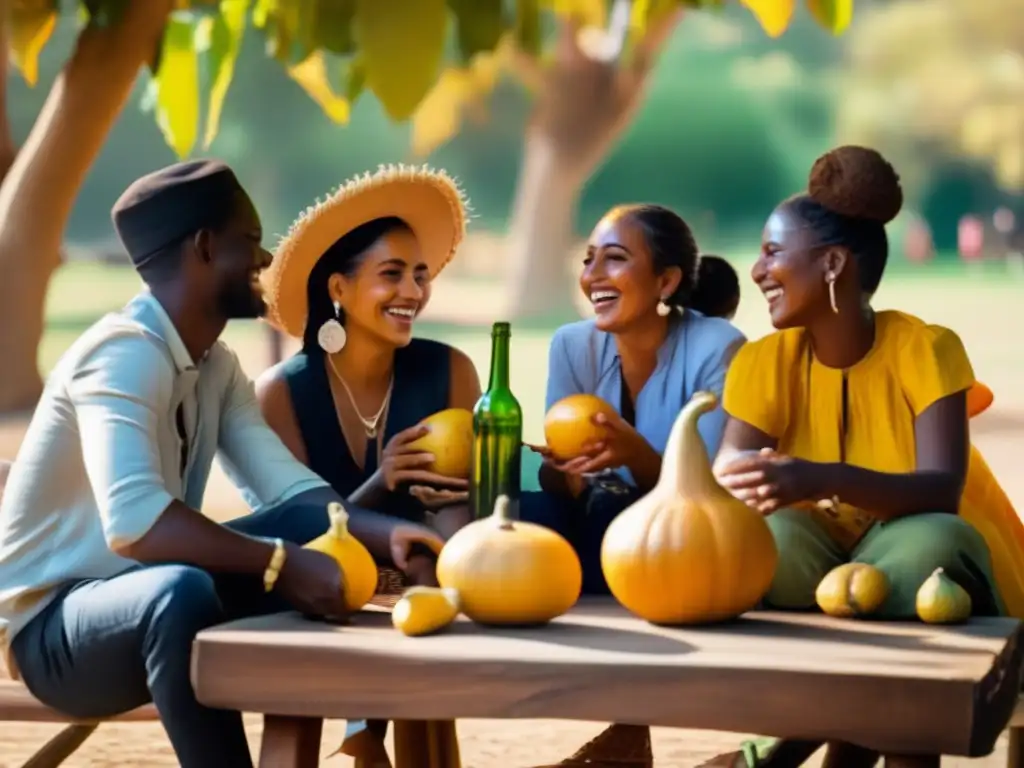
(30, 28)
(833, 15)
(177, 83)
(586, 13)
(459, 91)
(402, 42)
(226, 33)
(311, 74)
(642, 13)
(773, 15)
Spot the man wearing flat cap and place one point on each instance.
(107, 569)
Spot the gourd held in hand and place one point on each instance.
(510, 572)
(688, 552)
(356, 562)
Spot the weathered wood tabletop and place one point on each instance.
(896, 688)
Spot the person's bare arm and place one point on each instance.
(739, 438)
(275, 401)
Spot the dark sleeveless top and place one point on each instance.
(421, 388)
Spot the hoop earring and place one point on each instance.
(830, 278)
(332, 336)
(664, 310)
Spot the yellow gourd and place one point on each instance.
(450, 439)
(852, 589)
(423, 610)
(688, 552)
(355, 561)
(940, 600)
(508, 572)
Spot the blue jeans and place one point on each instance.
(582, 521)
(106, 646)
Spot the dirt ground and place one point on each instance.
(984, 314)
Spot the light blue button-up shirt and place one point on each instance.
(694, 357)
(101, 459)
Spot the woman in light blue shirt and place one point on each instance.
(646, 354)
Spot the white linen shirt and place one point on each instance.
(101, 458)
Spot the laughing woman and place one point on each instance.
(645, 353)
(349, 280)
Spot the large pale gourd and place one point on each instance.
(688, 552)
(510, 572)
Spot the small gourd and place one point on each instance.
(355, 561)
(852, 589)
(425, 610)
(940, 600)
(688, 552)
(508, 572)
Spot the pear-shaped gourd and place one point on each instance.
(355, 561)
(852, 589)
(688, 552)
(940, 600)
(510, 572)
(425, 610)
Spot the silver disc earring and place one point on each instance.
(332, 337)
(664, 310)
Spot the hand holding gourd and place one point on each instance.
(618, 448)
(768, 480)
(403, 462)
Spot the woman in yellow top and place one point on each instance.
(848, 427)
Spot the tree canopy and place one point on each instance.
(429, 61)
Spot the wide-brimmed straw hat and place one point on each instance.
(429, 201)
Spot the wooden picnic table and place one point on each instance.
(906, 690)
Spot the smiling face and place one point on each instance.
(791, 270)
(388, 290)
(619, 275)
(236, 259)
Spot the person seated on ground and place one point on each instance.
(107, 574)
(718, 288)
(350, 280)
(646, 353)
(848, 427)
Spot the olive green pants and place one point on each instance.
(907, 550)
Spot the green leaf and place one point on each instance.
(177, 82)
(288, 26)
(479, 25)
(226, 32)
(833, 15)
(333, 26)
(355, 79)
(29, 28)
(528, 26)
(402, 42)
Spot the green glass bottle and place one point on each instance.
(497, 434)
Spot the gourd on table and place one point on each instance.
(355, 560)
(688, 552)
(940, 600)
(425, 610)
(509, 572)
(852, 589)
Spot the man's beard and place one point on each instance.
(240, 301)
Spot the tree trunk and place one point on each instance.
(40, 188)
(541, 232)
(583, 107)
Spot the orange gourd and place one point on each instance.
(688, 552)
(450, 439)
(569, 425)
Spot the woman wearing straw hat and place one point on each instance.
(349, 280)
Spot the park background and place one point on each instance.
(727, 123)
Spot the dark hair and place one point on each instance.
(344, 257)
(718, 287)
(852, 193)
(671, 243)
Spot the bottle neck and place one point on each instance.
(499, 363)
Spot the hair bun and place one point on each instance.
(856, 182)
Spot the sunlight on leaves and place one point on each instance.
(311, 74)
(586, 13)
(29, 29)
(402, 43)
(459, 92)
(177, 83)
(833, 15)
(773, 15)
(226, 31)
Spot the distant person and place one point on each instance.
(717, 293)
(107, 568)
(646, 353)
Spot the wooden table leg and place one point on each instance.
(426, 744)
(1015, 748)
(60, 747)
(913, 761)
(290, 742)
